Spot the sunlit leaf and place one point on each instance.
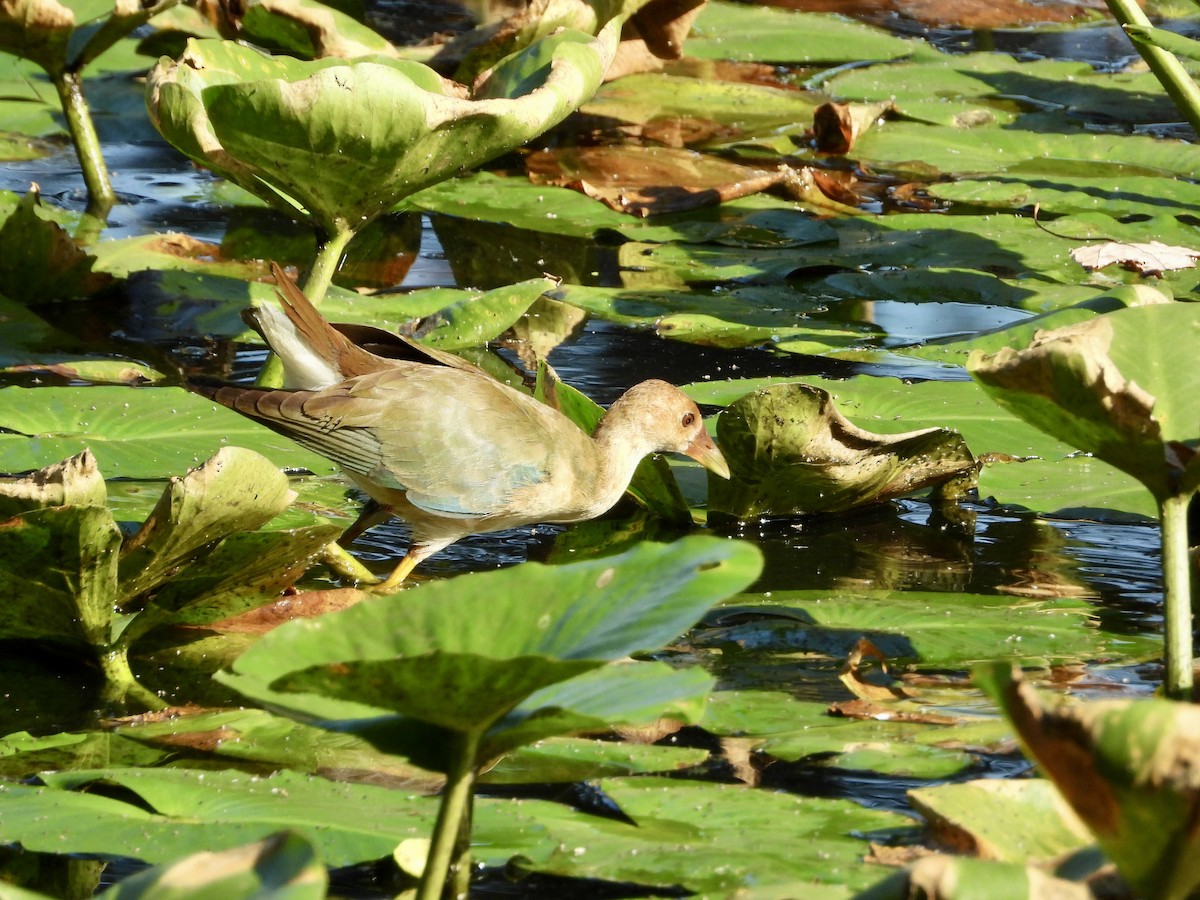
(792, 452)
(148, 433)
(344, 141)
(926, 628)
(601, 610)
(813, 840)
(1124, 766)
(1006, 819)
(1117, 386)
(737, 31)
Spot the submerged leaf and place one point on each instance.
(792, 452)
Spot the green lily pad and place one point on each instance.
(1006, 819)
(667, 587)
(723, 108)
(927, 629)
(307, 28)
(815, 848)
(344, 141)
(1024, 466)
(737, 31)
(134, 433)
(183, 811)
(792, 730)
(1116, 386)
(973, 89)
(791, 452)
(42, 262)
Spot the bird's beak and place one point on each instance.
(705, 452)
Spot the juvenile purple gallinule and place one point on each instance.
(444, 446)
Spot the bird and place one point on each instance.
(441, 444)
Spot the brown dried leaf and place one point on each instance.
(838, 126)
(648, 181)
(852, 677)
(296, 606)
(864, 709)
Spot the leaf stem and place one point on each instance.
(452, 814)
(1177, 599)
(120, 683)
(326, 263)
(1166, 68)
(87, 144)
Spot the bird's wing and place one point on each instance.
(458, 443)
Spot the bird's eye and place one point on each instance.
(688, 419)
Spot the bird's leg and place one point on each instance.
(373, 513)
(392, 582)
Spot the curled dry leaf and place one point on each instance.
(1153, 258)
(837, 126)
(852, 676)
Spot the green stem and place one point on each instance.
(338, 559)
(326, 264)
(87, 145)
(121, 687)
(1177, 596)
(1166, 68)
(455, 808)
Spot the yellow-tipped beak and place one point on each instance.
(705, 452)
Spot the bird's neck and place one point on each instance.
(618, 455)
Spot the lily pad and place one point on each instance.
(1006, 819)
(1024, 466)
(344, 141)
(134, 433)
(791, 452)
(923, 628)
(815, 848)
(284, 863)
(1123, 766)
(663, 584)
(736, 31)
(1115, 385)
